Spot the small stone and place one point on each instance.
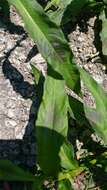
(10, 104)
(80, 39)
(103, 68)
(105, 84)
(10, 45)
(98, 79)
(11, 122)
(10, 113)
(19, 136)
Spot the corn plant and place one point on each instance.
(55, 154)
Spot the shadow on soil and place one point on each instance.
(82, 21)
(14, 150)
(19, 151)
(83, 133)
(28, 91)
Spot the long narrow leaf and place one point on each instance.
(66, 11)
(65, 179)
(51, 129)
(103, 33)
(101, 103)
(36, 73)
(50, 41)
(64, 185)
(10, 172)
(84, 115)
(56, 16)
(67, 157)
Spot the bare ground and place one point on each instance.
(17, 91)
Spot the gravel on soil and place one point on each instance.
(17, 91)
(82, 43)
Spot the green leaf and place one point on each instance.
(52, 3)
(37, 187)
(103, 33)
(71, 174)
(10, 172)
(101, 104)
(56, 16)
(65, 179)
(105, 1)
(66, 11)
(36, 73)
(64, 185)
(52, 127)
(67, 157)
(50, 41)
(83, 114)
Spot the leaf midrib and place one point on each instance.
(34, 23)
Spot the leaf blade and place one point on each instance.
(54, 47)
(51, 129)
(101, 103)
(103, 33)
(67, 10)
(64, 184)
(10, 172)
